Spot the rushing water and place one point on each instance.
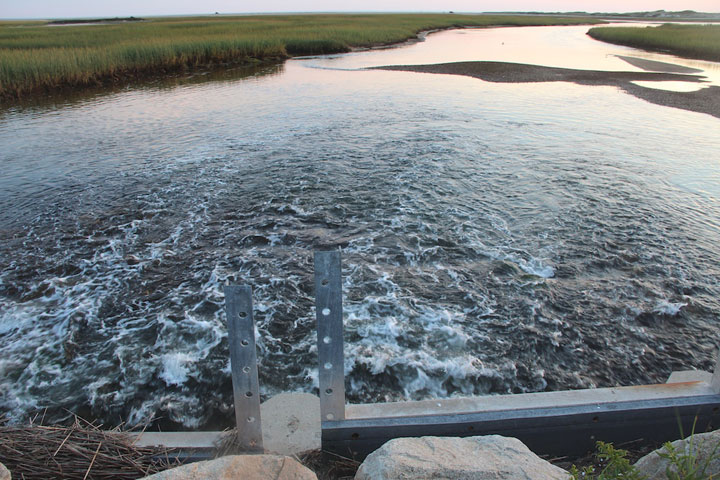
(496, 238)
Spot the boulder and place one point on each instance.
(478, 458)
(246, 467)
(4, 473)
(291, 423)
(703, 446)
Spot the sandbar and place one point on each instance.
(705, 100)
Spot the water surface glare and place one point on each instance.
(496, 237)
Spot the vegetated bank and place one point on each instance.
(693, 41)
(36, 58)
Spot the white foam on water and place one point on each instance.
(420, 343)
(669, 308)
(175, 367)
(450, 223)
(534, 266)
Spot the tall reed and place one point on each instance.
(42, 57)
(694, 41)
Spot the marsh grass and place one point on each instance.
(38, 57)
(694, 41)
(615, 465)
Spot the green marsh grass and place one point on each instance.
(41, 58)
(693, 41)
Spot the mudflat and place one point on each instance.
(705, 100)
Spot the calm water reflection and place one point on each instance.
(566, 47)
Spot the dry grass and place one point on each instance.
(326, 465)
(80, 451)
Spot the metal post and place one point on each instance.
(243, 364)
(715, 381)
(328, 306)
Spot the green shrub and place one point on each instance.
(684, 464)
(617, 466)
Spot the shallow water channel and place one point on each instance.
(496, 237)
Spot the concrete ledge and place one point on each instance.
(290, 425)
(494, 403)
(199, 440)
(291, 422)
(689, 376)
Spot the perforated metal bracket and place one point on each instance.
(715, 382)
(243, 364)
(328, 306)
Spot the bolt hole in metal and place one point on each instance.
(330, 416)
(355, 436)
(246, 369)
(244, 343)
(596, 419)
(326, 311)
(324, 282)
(242, 314)
(328, 366)
(326, 339)
(250, 419)
(248, 394)
(328, 391)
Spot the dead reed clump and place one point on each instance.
(326, 465)
(329, 466)
(80, 451)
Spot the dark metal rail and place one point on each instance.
(558, 423)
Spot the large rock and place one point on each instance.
(4, 473)
(488, 457)
(291, 423)
(245, 467)
(703, 445)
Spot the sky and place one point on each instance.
(138, 8)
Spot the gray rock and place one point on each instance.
(291, 423)
(246, 467)
(4, 473)
(703, 445)
(478, 458)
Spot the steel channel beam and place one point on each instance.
(715, 381)
(556, 431)
(243, 364)
(329, 314)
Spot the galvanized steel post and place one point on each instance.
(328, 310)
(243, 363)
(715, 381)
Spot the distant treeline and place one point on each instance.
(97, 20)
(656, 14)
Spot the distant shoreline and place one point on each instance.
(98, 21)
